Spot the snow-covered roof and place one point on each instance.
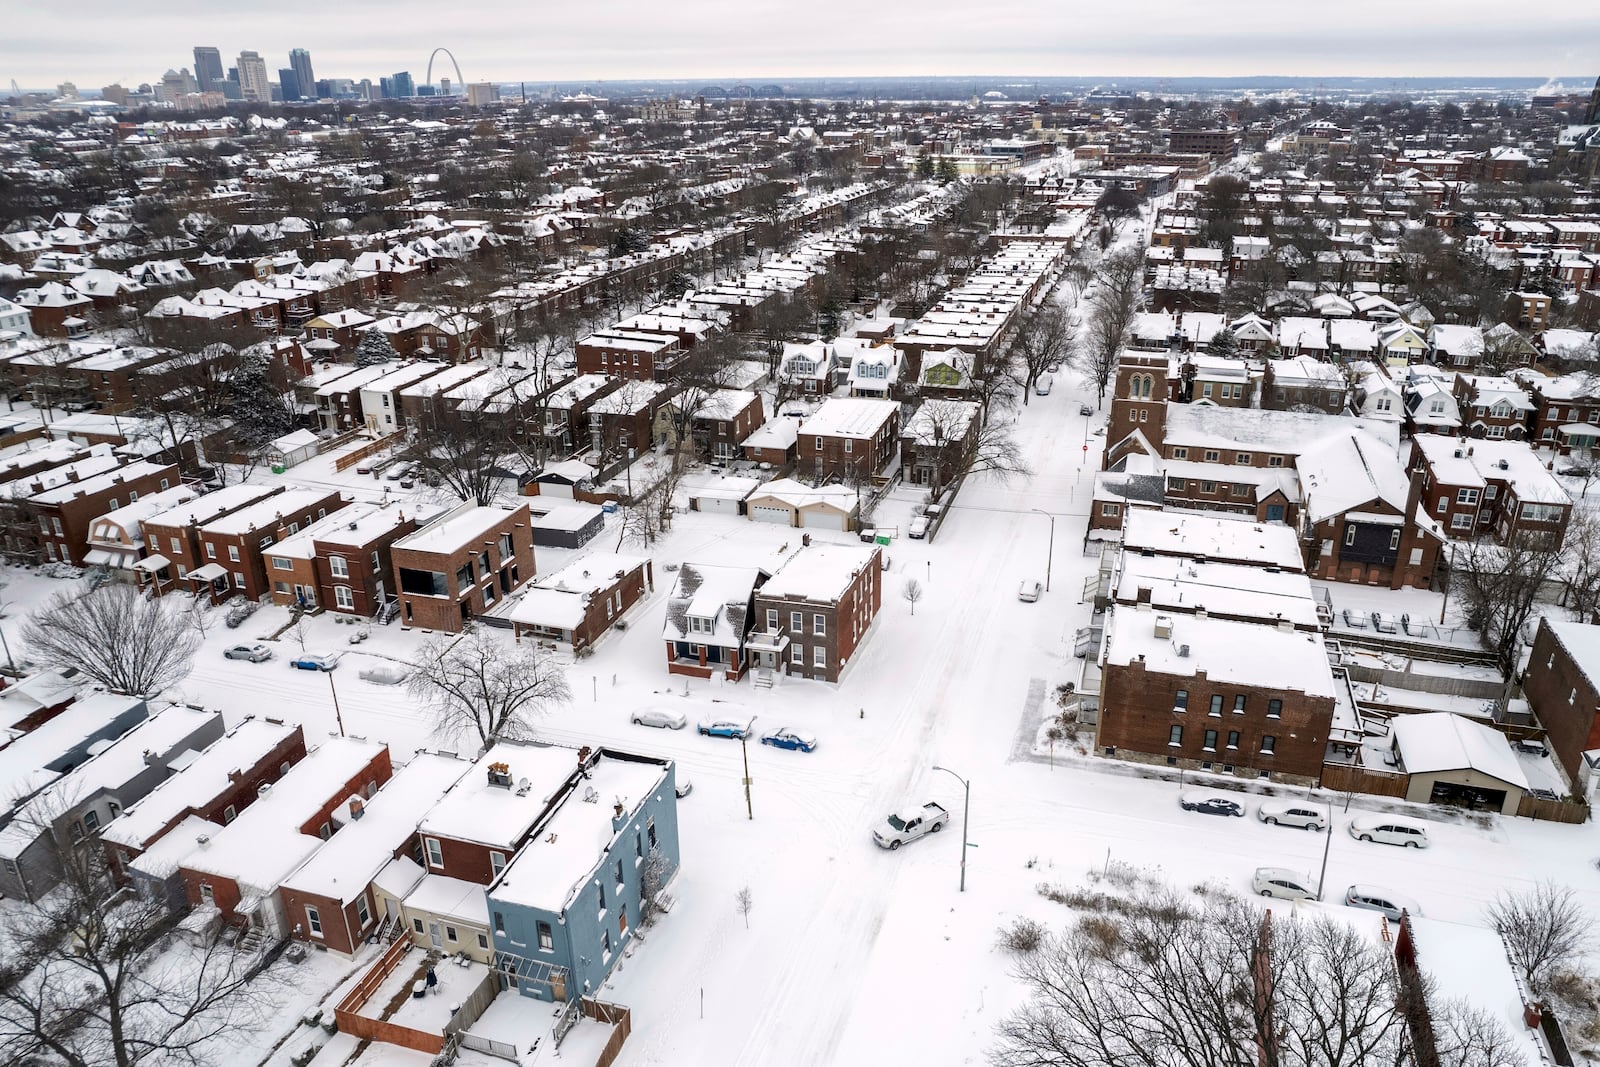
(798, 494)
(1219, 537)
(455, 898)
(561, 597)
(498, 816)
(1243, 652)
(199, 783)
(465, 526)
(819, 573)
(857, 417)
(711, 592)
(361, 848)
(1442, 741)
(211, 506)
(263, 514)
(1349, 472)
(1229, 590)
(25, 764)
(571, 843)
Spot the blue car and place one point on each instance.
(315, 661)
(790, 740)
(725, 728)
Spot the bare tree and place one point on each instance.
(90, 978)
(189, 401)
(745, 904)
(1545, 928)
(1117, 297)
(912, 592)
(126, 641)
(1043, 339)
(654, 874)
(477, 689)
(956, 439)
(463, 449)
(1580, 560)
(1500, 585)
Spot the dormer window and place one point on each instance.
(699, 624)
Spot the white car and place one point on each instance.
(661, 718)
(1028, 592)
(255, 652)
(1292, 813)
(1282, 883)
(1373, 898)
(919, 528)
(1389, 830)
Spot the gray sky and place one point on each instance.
(93, 42)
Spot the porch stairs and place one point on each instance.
(763, 679)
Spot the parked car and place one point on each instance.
(1373, 898)
(786, 738)
(1389, 830)
(1029, 591)
(661, 718)
(1282, 883)
(1210, 804)
(919, 527)
(397, 472)
(1293, 813)
(1042, 386)
(255, 652)
(1086, 409)
(904, 826)
(316, 661)
(725, 728)
(685, 786)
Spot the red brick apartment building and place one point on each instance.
(66, 511)
(343, 563)
(172, 539)
(1213, 694)
(849, 438)
(232, 548)
(1562, 686)
(816, 609)
(629, 354)
(461, 565)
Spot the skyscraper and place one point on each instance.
(398, 86)
(208, 68)
(253, 83)
(300, 60)
(289, 84)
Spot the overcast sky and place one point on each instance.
(93, 42)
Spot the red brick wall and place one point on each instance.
(377, 771)
(1572, 727)
(341, 926)
(466, 860)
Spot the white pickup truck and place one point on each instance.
(901, 827)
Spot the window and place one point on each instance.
(1110, 511)
(416, 924)
(1211, 741)
(1212, 455)
(281, 564)
(819, 656)
(450, 933)
(547, 941)
(1208, 487)
(638, 844)
(1175, 736)
(772, 619)
(1216, 704)
(483, 940)
(650, 832)
(208, 895)
(233, 553)
(1349, 535)
(338, 567)
(797, 622)
(1241, 457)
(363, 912)
(343, 598)
(1269, 744)
(605, 944)
(1460, 521)
(1238, 704)
(1466, 496)
(1180, 453)
(1274, 709)
(601, 888)
(849, 446)
(229, 813)
(435, 853)
(1180, 700)
(797, 654)
(174, 541)
(497, 863)
(314, 921)
(1274, 461)
(819, 624)
(621, 881)
(1394, 540)
(211, 550)
(1175, 485)
(1233, 738)
(91, 819)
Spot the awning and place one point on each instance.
(211, 572)
(104, 557)
(321, 344)
(152, 563)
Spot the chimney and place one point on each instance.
(1142, 598)
(500, 775)
(235, 776)
(619, 818)
(357, 807)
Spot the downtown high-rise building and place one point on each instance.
(208, 68)
(300, 60)
(289, 85)
(253, 83)
(398, 86)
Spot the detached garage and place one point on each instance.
(1450, 759)
(725, 496)
(791, 503)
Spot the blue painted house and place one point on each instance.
(565, 908)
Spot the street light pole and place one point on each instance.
(1326, 846)
(966, 806)
(337, 714)
(1050, 551)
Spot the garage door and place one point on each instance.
(759, 513)
(721, 505)
(822, 520)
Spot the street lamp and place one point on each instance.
(966, 805)
(1050, 552)
(1450, 574)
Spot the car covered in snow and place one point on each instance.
(919, 528)
(1210, 803)
(789, 739)
(661, 718)
(1374, 898)
(903, 826)
(1282, 883)
(1028, 592)
(1291, 813)
(1389, 830)
(315, 661)
(725, 728)
(255, 652)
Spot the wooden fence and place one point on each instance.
(621, 1021)
(1569, 811)
(1345, 778)
(366, 451)
(1471, 688)
(369, 1029)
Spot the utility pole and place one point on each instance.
(966, 807)
(744, 749)
(337, 714)
(1050, 551)
(1326, 846)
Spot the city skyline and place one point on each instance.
(103, 43)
